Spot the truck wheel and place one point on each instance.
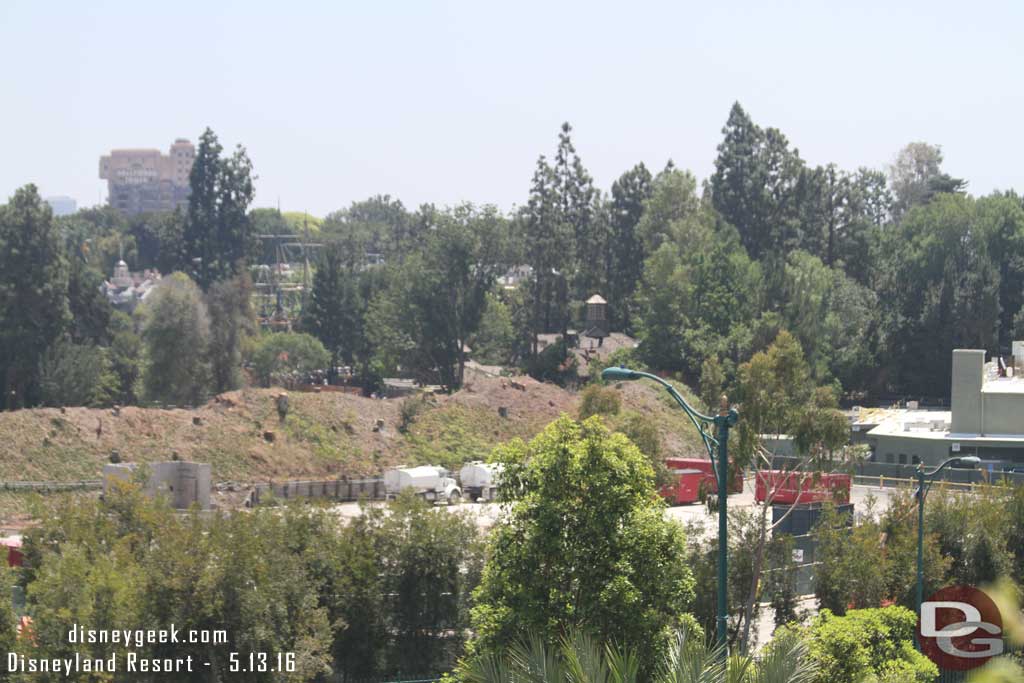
(454, 498)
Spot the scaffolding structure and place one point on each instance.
(281, 292)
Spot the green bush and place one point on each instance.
(867, 644)
(599, 400)
(286, 357)
(408, 410)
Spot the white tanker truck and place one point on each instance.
(480, 480)
(428, 481)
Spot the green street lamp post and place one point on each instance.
(718, 447)
(924, 482)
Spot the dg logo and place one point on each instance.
(960, 628)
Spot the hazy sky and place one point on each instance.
(453, 101)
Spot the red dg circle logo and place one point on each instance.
(960, 628)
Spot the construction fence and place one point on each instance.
(891, 475)
(340, 490)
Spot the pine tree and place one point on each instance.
(756, 185)
(33, 293)
(336, 310)
(625, 252)
(578, 201)
(216, 227)
(549, 248)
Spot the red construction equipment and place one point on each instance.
(705, 466)
(802, 487)
(685, 489)
(13, 546)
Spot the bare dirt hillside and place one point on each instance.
(325, 434)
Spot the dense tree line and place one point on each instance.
(878, 275)
(388, 594)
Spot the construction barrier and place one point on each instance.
(341, 490)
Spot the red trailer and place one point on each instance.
(685, 489)
(705, 466)
(13, 546)
(802, 487)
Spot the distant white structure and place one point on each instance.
(62, 206)
(124, 290)
(515, 276)
(183, 483)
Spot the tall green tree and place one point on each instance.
(90, 311)
(34, 310)
(176, 332)
(758, 185)
(231, 321)
(437, 299)
(833, 317)
(379, 225)
(938, 289)
(1002, 216)
(625, 251)
(584, 545)
(549, 251)
(336, 310)
(216, 235)
(126, 358)
(580, 209)
(697, 298)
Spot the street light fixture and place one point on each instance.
(717, 447)
(924, 482)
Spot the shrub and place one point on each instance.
(409, 410)
(598, 400)
(288, 357)
(865, 644)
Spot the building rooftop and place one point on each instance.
(1003, 385)
(932, 424)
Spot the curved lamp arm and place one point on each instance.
(698, 419)
(927, 477)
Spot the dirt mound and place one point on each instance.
(325, 434)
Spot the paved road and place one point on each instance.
(487, 514)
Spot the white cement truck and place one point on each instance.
(428, 481)
(480, 480)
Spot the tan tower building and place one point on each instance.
(145, 180)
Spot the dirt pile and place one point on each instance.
(325, 434)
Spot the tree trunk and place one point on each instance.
(755, 578)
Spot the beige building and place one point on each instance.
(146, 180)
(986, 418)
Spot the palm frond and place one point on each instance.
(584, 659)
(692, 661)
(785, 661)
(623, 665)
